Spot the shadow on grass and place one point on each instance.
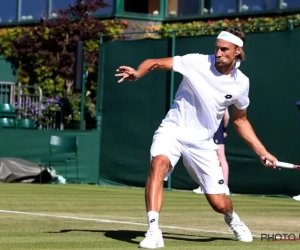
(130, 235)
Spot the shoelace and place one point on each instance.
(149, 232)
(236, 224)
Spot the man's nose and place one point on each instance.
(218, 53)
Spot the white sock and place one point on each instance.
(233, 216)
(153, 220)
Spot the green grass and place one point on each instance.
(200, 227)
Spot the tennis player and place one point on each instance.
(210, 84)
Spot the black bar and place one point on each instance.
(78, 69)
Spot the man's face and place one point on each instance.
(225, 52)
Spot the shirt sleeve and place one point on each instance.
(243, 101)
(181, 64)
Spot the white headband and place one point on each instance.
(224, 35)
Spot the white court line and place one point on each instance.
(116, 222)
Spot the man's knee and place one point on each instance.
(160, 165)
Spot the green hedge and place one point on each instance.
(258, 24)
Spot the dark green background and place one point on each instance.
(132, 112)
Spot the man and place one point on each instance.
(219, 139)
(210, 84)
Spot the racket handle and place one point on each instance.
(284, 164)
(281, 164)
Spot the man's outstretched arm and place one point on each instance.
(245, 130)
(130, 74)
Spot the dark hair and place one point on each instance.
(237, 32)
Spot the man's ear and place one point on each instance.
(238, 51)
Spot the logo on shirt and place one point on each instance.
(221, 182)
(228, 96)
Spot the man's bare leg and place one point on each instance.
(154, 189)
(154, 200)
(222, 204)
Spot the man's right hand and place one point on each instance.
(127, 73)
(268, 160)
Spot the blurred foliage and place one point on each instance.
(44, 54)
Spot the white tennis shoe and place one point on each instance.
(198, 190)
(296, 198)
(152, 240)
(240, 230)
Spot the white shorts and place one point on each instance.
(200, 160)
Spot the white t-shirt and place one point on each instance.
(202, 98)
